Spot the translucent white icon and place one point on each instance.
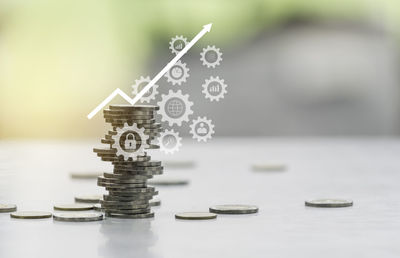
(202, 129)
(177, 44)
(175, 107)
(169, 141)
(130, 141)
(178, 73)
(140, 84)
(214, 88)
(211, 56)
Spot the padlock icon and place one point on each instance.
(130, 142)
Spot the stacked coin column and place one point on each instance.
(134, 130)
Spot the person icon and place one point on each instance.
(201, 129)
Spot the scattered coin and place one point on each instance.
(85, 175)
(78, 216)
(269, 167)
(7, 207)
(195, 215)
(30, 215)
(179, 164)
(169, 181)
(73, 207)
(155, 202)
(234, 209)
(89, 198)
(329, 203)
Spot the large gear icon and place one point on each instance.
(164, 146)
(214, 92)
(172, 46)
(175, 108)
(143, 81)
(178, 73)
(208, 63)
(202, 133)
(130, 154)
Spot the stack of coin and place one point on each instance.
(128, 194)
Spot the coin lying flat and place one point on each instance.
(85, 175)
(169, 181)
(73, 207)
(155, 202)
(7, 207)
(31, 215)
(329, 203)
(89, 198)
(78, 216)
(234, 209)
(269, 167)
(195, 215)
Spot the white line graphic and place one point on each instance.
(206, 28)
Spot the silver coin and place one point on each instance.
(120, 186)
(136, 172)
(78, 216)
(121, 181)
(135, 107)
(97, 207)
(73, 207)
(152, 163)
(234, 209)
(85, 175)
(269, 167)
(135, 216)
(195, 215)
(125, 177)
(31, 215)
(168, 182)
(88, 198)
(130, 198)
(133, 112)
(133, 190)
(132, 168)
(329, 203)
(126, 203)
(128, 211)
(7, 207)
(155, 202)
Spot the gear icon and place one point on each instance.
(178, 73)
(177, 44)
(214, 88)
(140, 84)
(202, 129)
(169, 141)
(175, 108)
(211, 56)
(132, 147)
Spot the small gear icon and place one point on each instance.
(140, 84)
(178, 73)
(211, 56)
(175, 108)
(177, 44)
(214, 88)
(169, 141)
(133, 149)
(202, 129)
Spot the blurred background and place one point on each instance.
(293, 67)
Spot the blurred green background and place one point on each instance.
(59, 59)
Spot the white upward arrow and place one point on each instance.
(132, 101)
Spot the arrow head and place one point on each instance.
(207, 27)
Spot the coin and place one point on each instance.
(234, 209)
(133, 190)
(88, 198)
(129, 197)
(329, 203)
(269, 167)
(78, 217)
(195, 215)
(73, 207)
(120, 186)
(85, 175)
(125, 177)
(119, 181)
(127, 216)
(30, 215)
(135, 107)
(168, 182)
(7, 207)
(128, 211)
(155, 202)
(97, 207)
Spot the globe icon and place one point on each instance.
(175, 107)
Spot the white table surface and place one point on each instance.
(35, 176)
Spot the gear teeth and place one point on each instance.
(188, 108)
(143, 137)
(204, 60)
(146, 80)
(172, 42)
(185, 74)
(178, 141)
(223, 88)
(209, 133)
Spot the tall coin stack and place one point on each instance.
(134, 130)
